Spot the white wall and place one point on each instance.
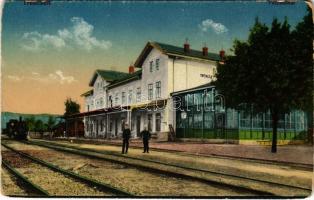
(147, 78)
(174, 76)
(185, 74)
(99, 93)
(133, 85)
(99, 99)
(157, 75)
(89, 103)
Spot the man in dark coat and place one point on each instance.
(146, 136)
(126, 136)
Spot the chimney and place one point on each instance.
(186, 46)
(222, 55)
(131, 69)
(205, 50)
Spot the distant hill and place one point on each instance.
(6, 116)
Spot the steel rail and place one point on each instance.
(179, 166)
(83, 179)
(33, 187)
(79, 151)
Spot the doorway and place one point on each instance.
(97, 126)
(149, 119)
(116, 127)
(138, 126)
(220, 125)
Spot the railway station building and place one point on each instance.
(142, 97)
(169, 90)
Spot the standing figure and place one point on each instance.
(146, 136)
(126, 136)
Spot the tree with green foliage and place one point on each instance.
(39, 126)
(71, 107)
(50, 123)
(30, 122)
(303, 57)
(265, 71)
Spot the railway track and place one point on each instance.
(73, 184)
(138, 181)
(265, 187)
(29, 188)
(271, 162)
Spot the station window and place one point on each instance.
(157, 64)
(123, 98)
(158, 89)
(151, 66)
(138, 94)
(110, 101)
(158, 121)
(150, 91)
(116, 99)
(130, 96)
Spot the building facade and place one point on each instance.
(142, 97)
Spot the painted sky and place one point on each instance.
(50, 52)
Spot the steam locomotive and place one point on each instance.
(17, 129)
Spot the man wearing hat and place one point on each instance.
(126, 136)
(146, 136)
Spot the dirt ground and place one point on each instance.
(285, 153)
(274, 173)
(128, 178)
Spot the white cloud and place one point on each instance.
(34, 41)
(218, 28)
(79, 35)
(15, 78)
(58, 76)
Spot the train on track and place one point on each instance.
(16, 129)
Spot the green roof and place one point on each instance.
(190, 90)
(126, 78)
(88, 93)
(116, 78)
(108, 75)
(172, 50)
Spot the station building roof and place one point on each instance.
(108, 75)
(117, 78)
(127, 78)
(190, 90)
(175, 51)
(88, 93)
